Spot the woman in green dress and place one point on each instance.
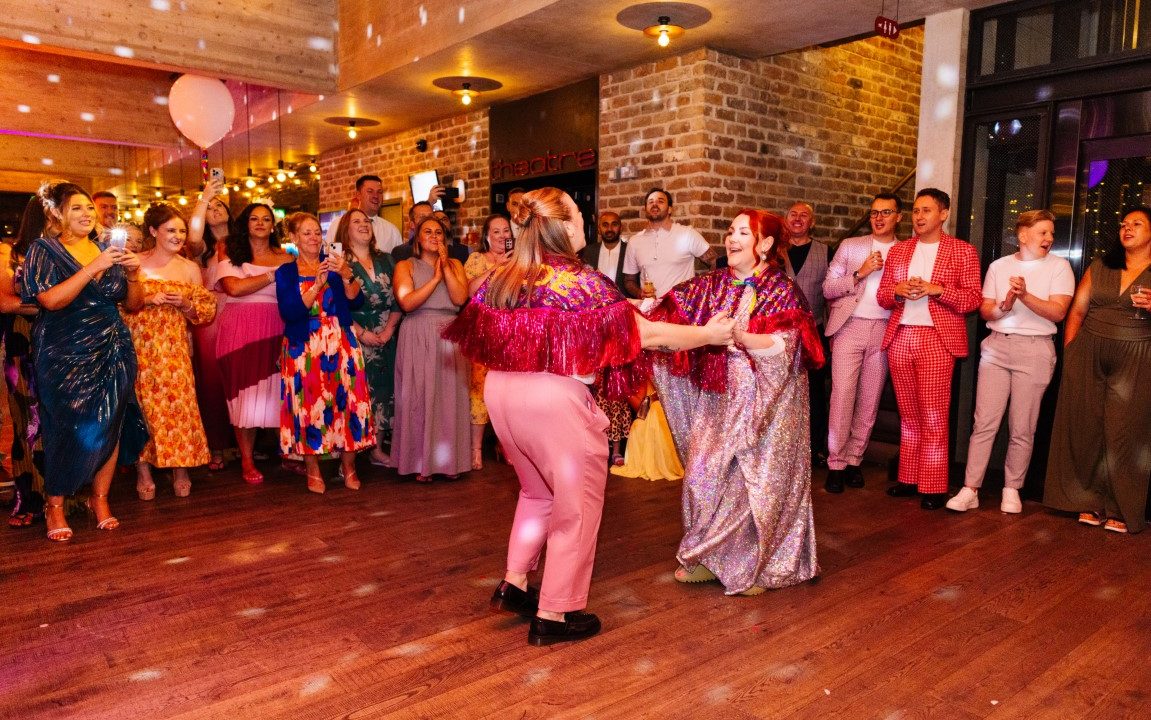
(376, 320)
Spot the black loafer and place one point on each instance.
(510, 599)
(575, 626)
(834, 482)
(903, 490)
(853, 476)
(933, 501)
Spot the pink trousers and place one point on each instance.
(858, 373)
(555, 436)
(921, 370)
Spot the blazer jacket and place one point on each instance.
(956, 269)
(839, 287)
(810, 279)
(590, 255)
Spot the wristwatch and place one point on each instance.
(855, 275)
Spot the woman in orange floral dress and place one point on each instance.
(174, 298)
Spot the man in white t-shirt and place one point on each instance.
(856, 323)
(664, 253)
(369, 195)
(1024, 295)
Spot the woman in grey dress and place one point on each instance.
(1100, 456)
(432, 426)
(739, 417)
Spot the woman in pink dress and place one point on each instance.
(251, 331)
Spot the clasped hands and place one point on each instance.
(179, 300)
(914, 288)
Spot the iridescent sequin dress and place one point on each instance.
(740, 421)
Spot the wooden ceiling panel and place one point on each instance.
(377, 38)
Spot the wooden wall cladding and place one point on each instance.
(288, 43)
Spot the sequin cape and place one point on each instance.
(779, 306)
(574, 322)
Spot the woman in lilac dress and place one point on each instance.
(739, 416)
(432, 430)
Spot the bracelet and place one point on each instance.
(91, 277)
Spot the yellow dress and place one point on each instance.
(165, 386)
(477, 265)
(650, 450)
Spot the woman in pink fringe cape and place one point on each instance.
(545, 325)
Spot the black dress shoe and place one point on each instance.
(903, 490)
(853, 476)
(510, 599)
(933, 501)
(574, 626)
(834, 481)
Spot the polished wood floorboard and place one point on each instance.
(268, 602)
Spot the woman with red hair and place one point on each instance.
(739, 415)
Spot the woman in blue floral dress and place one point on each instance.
(326, 402)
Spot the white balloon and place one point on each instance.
(202, 109)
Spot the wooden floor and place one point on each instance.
(253, 603)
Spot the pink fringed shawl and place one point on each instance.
(779, 307)
(575, 322)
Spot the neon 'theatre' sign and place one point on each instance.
(549, 162)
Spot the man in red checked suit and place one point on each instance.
(929, 283)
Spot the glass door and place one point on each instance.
(1114, 176)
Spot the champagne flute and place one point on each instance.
(1135, 290)
(648, 285)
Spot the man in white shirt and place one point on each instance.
(369, 195)
(855, 324)
(664, 253)
(607, 255)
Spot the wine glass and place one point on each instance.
(1135, 290)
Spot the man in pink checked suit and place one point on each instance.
(929, 283)
(856, 324)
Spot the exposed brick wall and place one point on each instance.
(457, 146)
(828, 125)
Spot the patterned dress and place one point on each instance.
(165, 383)
(477, 264)
(327, 406)
(380, 362)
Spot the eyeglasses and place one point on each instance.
(885, 213)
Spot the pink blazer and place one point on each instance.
(839, 286)
(956, 269)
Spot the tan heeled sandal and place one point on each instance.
(60, 534)
(316, 484)
(108, 523)
(182, 487)
(146, 490)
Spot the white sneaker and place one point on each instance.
(966, 499)
(1011, 502)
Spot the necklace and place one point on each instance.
(308, 267)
